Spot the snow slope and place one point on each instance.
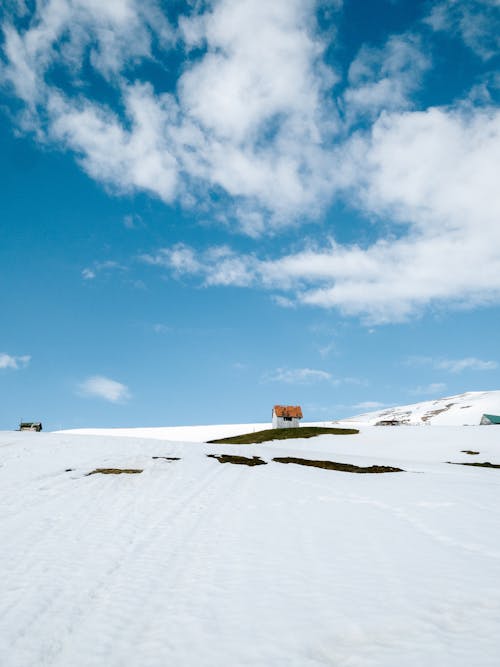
(181, 433)
(196, 564)
(459, 410)
(463, 409)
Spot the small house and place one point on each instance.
(286, 416)
(490, 419)
(30, 426)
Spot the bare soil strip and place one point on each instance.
(486, 464)
(332, 465)
(238, 460)
(114, 471)
(282, 434)
(167, 458)
(469, 451)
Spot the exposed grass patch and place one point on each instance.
(469, 451)
(332, 465)
(167, 458)
(486, 464)
(238, 460)
(114, 471)
(282, 434)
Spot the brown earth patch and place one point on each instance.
(167, 458)
(469, 451)
(114, 471)
(332, 465)
(486, 464)
(238, 460)
(282, 434)
(434, 413)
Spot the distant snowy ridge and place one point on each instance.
(460, 410)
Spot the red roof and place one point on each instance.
(288, 411)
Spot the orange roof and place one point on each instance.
(288, 411)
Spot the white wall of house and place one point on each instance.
(285, 422)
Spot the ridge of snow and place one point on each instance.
(460, 410)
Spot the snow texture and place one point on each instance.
(196, 564)
(460, 410)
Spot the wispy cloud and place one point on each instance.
(91, 272)
(384, 78)
(368, 405)
(14, 362)
(208, 129)
(427, 177)
(239, 366)
(453, 365)
(283, 301)
(429, 390)
(477, 22)
(327, 349)
(98, 386)
(469, 363)
(133, 221)
(160, 328)
(297, 376)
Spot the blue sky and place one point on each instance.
(208, 208)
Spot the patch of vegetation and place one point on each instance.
(434, 413)
(238, 460)
(469, 451)
(282, 434)
(486, 464)
(332, 465)
(167, 458)
(114, 471)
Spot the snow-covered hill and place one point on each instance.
(196, 564)
(179, 433)
(459, 410)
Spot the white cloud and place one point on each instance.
(161, 328)
(368, 405)
(476, 21)
(429, 390)
(14, 362)
(434, 174)
(256, 121)
(90, 273)
(327, 349)
(454, 365)
(297, 376)
(283, 301)
(239, 366)
(469, 363)
(385, 78)
(126, 159)
(99, 386)
(61, 31)
(132, 221)
(249, 116)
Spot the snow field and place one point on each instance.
(462, 409)
(197, 564)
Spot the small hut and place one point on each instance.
(388, 422)
(490, 419)
(30, 426)
(286, 416)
